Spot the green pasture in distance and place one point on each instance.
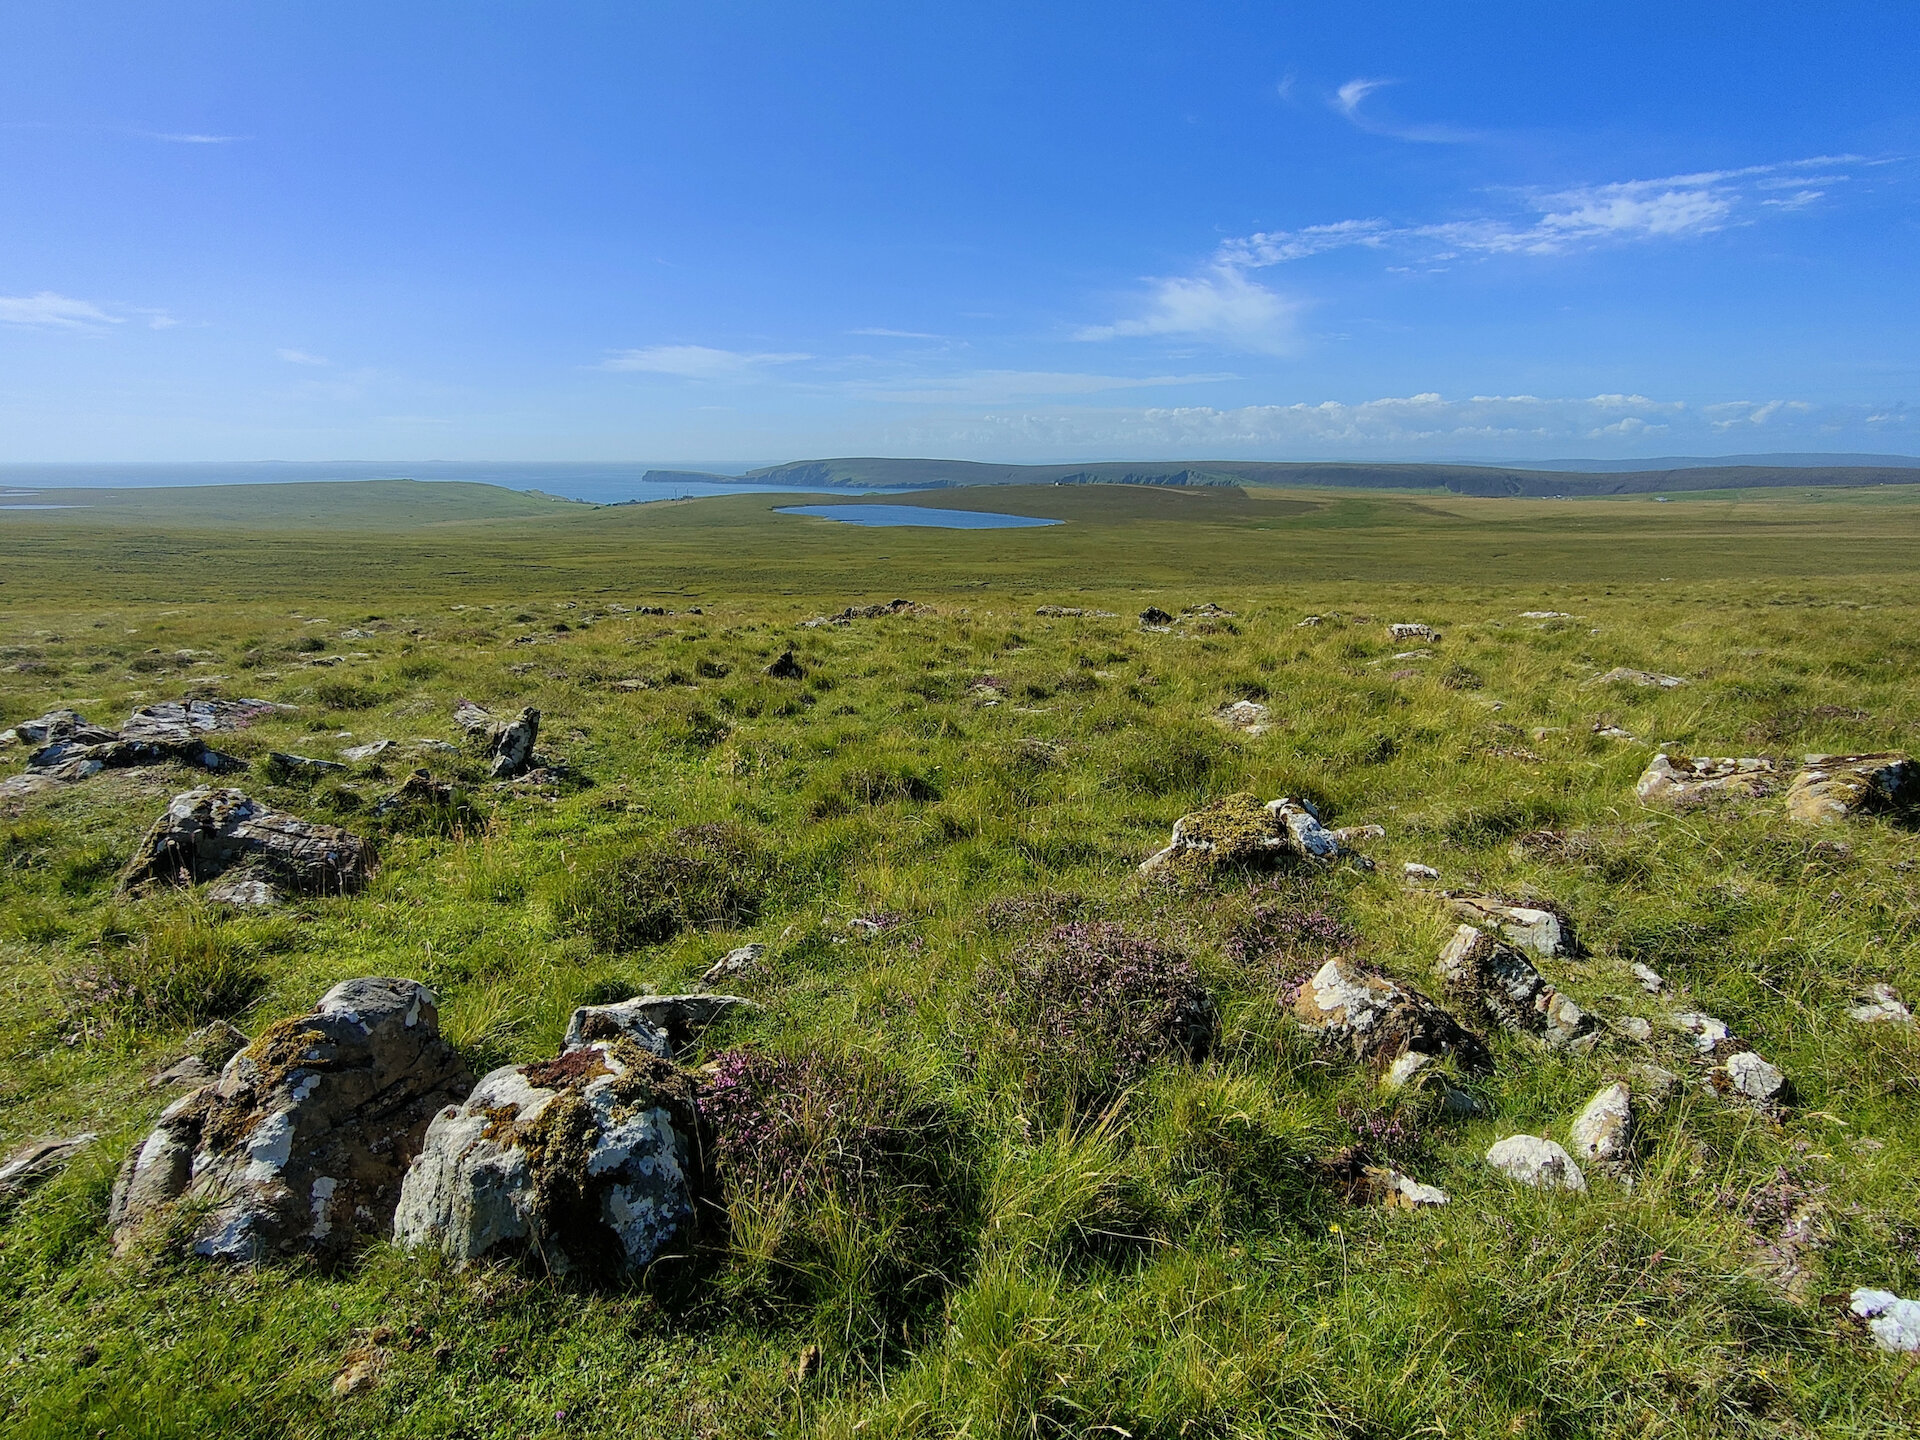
(972, 772)
(432, 539)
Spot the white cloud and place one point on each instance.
(884, 333)
(1347, 102)
(54, 312)
(993, 387)
(1728, 414)
(1348, 97)
(1220, 305)
(1556, 222)
(301, 357)
(697, 362)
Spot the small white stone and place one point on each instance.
(1536, 1162)
(1403, 1070)
(1754, 1078)
(1651, 980)
(1881, 1005)
(1893, 1322)
(1635, 1028)
(1603, 1133)
(1707, 1032)
(1420, 872)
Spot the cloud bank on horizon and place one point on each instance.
(996, 235)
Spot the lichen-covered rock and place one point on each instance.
(180, 721)
(1382, 1023)
(1647, 679)
(207, 832)
(1413, 631)
(737, 961)
(585, 1164)
(1707, 1033)
(512, 745)
(1603, 1131)
(1536, 1162)
(1546, 933)
(1832, 787)
(1502, 987)
(301, 1143)
(40, 1161)
(1881, 1005)
(1240, 831)
(659, 1024)
(249, 887)
(1745, 1076)
(1691, 779)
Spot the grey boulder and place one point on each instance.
(1833, 787)
(1379, 1022)
(659, 1024)
(1693, 779)
(300, 1145)
(1502, 987)
(207, 832)
(1533, 1161)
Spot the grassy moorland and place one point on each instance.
(1055, 1237)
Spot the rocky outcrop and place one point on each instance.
(585, 1164)
(1501, 987)
(1413, 631)
(179, 721)
(34, 1164)
(1602, 1133)
(1647, 679)
(508, 743)
(1240, 831)
(208, 832)
(1833, 787)
(1691, 779)
(1546, 933)
(69, 748)
(663, 1025)
(1381, 1023)
(1536, 1162)
(301, 1143)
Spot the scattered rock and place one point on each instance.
(1745, 1076)
(301, 1143)
(1832, 787)
(1416, 871)
(58, 725)
(1650, 979)
(734, 962)
(1068, 612)
(1546, 933)
(180, 721)
(281, 767)
(1248, 716)
(19, 787)
(1536, 1162)
(511, 745)
(1351, 835)
(1308, 621)
(1603, 1131)
(1646, 678)
(1545, 615)
(419, 791)
(1636, 1028)
(70, 748)
(1413, 631)
(207, 832)
(1381, 1022)
(1881, 1005)
(40, 1161)
(1686, 779)
(1893, 1322)
(1708, 1033)
(1611, 732)
(1391, 1190)
(1239, 830)
(1154, 615)
(476, 720)
(584, 1163)
(359, 753)
(1502, 987)
(660, 1024)
(786, 667)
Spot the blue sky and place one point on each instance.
(746, 233)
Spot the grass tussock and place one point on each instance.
(622, 895)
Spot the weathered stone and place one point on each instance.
(1249, 717)
(1417, 872)
(476, 720)
(180, 721)
(1636, 1028)
(1154, 615)
(1536, 1162)
(1413, 631)
(207, 832)
(1395, 1191)
(301, 1143)
(735, 962)
(359, 753)
(786, 667)
(1546, 933)
(207, 1049)
(19, 787)
(1382, 1023)
(1074, 612)
(280, 767)
(1832, 787)
(585, 1164)
(512, 745)
(1502, 987)
(1603, 1131)
(249, 887)
(1650, 679)
(662, 1024)
(1708, 1033)
(1881, 1005)
(1689, 779)
(40, 1161)
(57, 725)
(1893, 1322)
(1650, 979)
(1745, 1076)
(1239, 830)
(417, 792)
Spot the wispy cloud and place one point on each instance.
(884, 333)
(698, 362)
(1221, 305)
(1348, 102)
(301, 357)
(1560, 221)
(1733, 413)
(993, 387)
(177, 137)
(48, 310)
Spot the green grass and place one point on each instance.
(1163, 1263)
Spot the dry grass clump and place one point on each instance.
(698, 877)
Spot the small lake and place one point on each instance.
(918, 515)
